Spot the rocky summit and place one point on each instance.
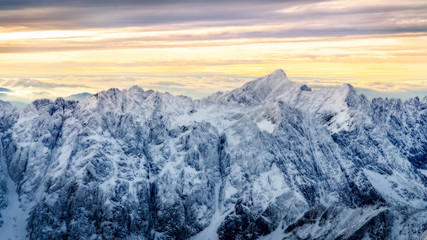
(274, 159)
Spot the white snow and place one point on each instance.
(266, 125)
(220, 117)
(14, 216)
(353, 219)
(277, 234)
(383, 185)
(210, 232)
(423, 236)
(268, 186)
(229, 190)
(392, 187)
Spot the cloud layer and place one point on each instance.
(62, 47)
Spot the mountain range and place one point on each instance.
(273, 159)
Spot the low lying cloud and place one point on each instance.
(370, 94)
(28, 83)
(5, 90)
(59, 48)
(169, 84)
(199, 86)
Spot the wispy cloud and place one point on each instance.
(28, 83)
(337, 17)
(196, 47)
(169, 84)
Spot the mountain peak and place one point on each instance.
(269, 86)
(256, 91)
(274, 79)
(278, 72)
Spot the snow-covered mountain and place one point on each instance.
(273, 159)
(78, 96)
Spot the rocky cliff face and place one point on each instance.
(273, 159)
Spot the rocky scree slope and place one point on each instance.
(273, 159)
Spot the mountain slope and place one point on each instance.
(78, 96)
(273, 159)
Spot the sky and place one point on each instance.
(51, 48)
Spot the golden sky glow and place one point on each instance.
(370, 44)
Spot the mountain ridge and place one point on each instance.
(284, 160)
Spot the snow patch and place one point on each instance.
(266, 125)
(268, 186)
(392, 187)
(278, 233)
(210, 232)
(229, 190)
(14, 216)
